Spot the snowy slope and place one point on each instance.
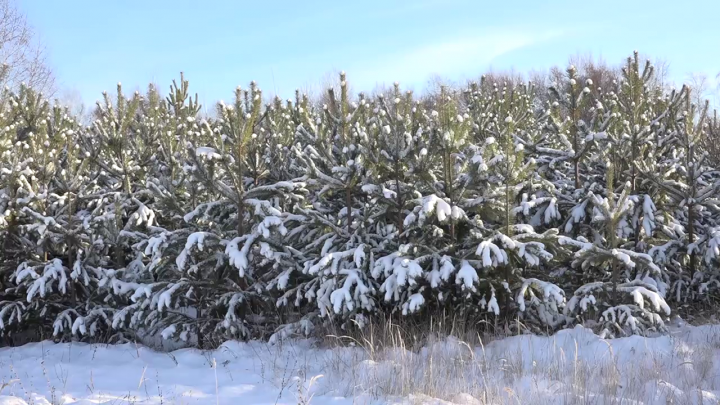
(573, 366)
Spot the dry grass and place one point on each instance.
(442, 364)
(389, 360)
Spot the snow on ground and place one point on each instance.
(572, 367)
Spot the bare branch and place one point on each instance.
(23, 56)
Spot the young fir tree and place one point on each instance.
(119, 157)
(464, 226)
(58, 276)
(616, 293)
(213, 269)
(397, 158)
(578, 120)
(167, 126)
(639, 141)
(425, 267)
(689, 187)
(333, 239)
(635, 139)
(575, 135)
(514, 191)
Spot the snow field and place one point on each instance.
(573, 366)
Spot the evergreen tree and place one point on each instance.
(618, 288)
(52, 192)
(268, 218)
(334, 239)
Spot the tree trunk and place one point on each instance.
(200, 335)
(574, 133)
(577, 174)
(691, 238)
(398, 201)
(615, 275)
(117, 249)
(348, 204)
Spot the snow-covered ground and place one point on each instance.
(572, 367)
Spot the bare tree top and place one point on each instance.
(22, 54)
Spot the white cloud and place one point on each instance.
(467, 54)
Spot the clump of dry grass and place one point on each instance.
(449, 363)
(415, 363)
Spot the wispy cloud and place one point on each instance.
(459, 56)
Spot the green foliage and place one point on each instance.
(490, 201)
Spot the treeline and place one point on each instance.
(593, 200)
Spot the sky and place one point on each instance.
(284, 45)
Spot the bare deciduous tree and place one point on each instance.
(22, 55)
(700, 87)
(72, 99)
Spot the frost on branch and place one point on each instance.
(492, 198)
(542, 302)
(639, 307)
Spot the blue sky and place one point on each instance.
(285, 45)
